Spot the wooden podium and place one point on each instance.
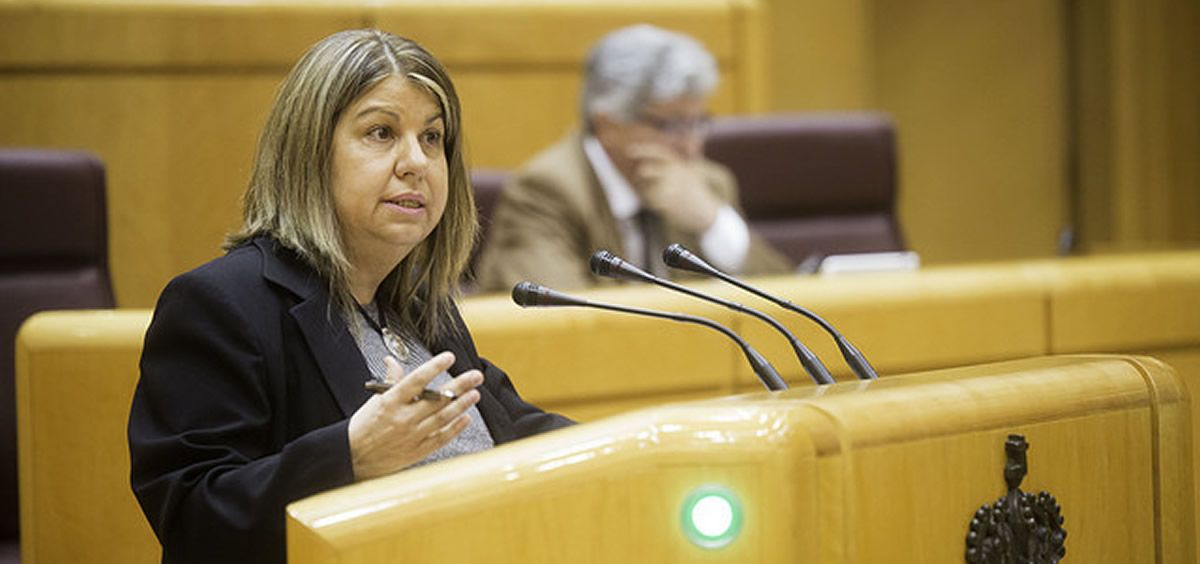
(886, 471)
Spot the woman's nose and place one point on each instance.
(411, 157)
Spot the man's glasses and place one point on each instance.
(676, 126)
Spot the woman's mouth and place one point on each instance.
(408, 202)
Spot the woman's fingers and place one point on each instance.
(410, 385)
(436, 421)
(443, 435)
(465, 382)
(393, 430)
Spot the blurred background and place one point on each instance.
(1024, 128)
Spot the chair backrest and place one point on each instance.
(488, 184)
(53, 255)
(814, 184)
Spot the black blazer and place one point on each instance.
(248, 378)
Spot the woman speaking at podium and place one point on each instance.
(325, 346)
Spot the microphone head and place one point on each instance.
(525, 294)
(608, 265)
(678, 256)
(530, 294)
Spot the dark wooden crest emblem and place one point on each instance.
(1019, 528)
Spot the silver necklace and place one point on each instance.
(391, 341)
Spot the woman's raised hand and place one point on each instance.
(396, 429)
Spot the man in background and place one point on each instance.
(632, 182)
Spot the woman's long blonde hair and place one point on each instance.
(289, 196)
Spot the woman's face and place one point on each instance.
(389, 178)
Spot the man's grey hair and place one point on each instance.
(641, 64)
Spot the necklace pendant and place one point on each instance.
(395, 345)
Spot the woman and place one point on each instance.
(358, 222)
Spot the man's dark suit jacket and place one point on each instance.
(248, 378)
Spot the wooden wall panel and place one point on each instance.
(819, 55)
(40, 34)
(941, 317)
(537, 34)
(1156, 301)
(1015, 120)
(171, 93)
(977, 93)
(177, 148)
(1137, 123)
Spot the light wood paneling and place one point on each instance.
(1186, 362)
(977, 94)
(171, 93)
(508, 32)
(976, 90)
(177, 149)
(603, 485)
(892, 471)
(76, 503)
(1094, 450)
(1015, 120)
(592, 364)
(571, 354)
(164, 33)
(594, 409)
(1156, 301)
(1138, 124)
(820, 55)
(939, 317)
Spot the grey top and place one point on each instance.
(474, 438)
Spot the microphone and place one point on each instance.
(677, 256)
(529, 294)
(604, 263)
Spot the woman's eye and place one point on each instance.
(380, 133)
(433, 137)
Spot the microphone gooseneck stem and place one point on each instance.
(854, 358)
(763, 369)
(604, 263)
(812, 365)
(529, 294)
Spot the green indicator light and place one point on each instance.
(712, 516)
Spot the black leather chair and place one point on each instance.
(814, 184)
(53, 255)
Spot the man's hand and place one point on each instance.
(673, 187)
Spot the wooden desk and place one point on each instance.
(886, 471)
(76, 370)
